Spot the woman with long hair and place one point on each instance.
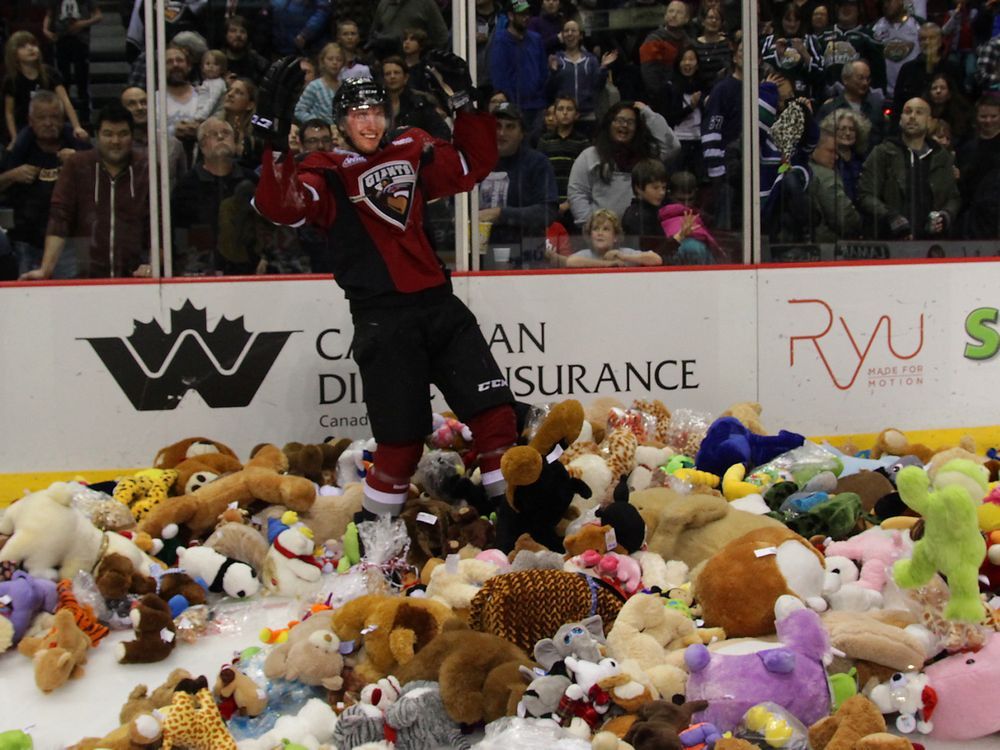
(850, 131)
(685, 106)
(238, 106)
(949, 104)
(601, 176)
(712, 47)
(793, 52)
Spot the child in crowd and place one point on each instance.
(25, 74)
(349, 39)
(683, 225)
(605, 230)
(67, 23)
(316, 101)
(550, 120)
(214, 66)
(641, 219)
(561, 146)
(414, 49)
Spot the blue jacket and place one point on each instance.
(519, 68)
(532, 199)
(580, 80)
(293, 17)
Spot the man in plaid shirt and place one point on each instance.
(988, 64)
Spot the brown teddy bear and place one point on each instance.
(60, 654)
(691, 528)
(261, 479)
(142, 701)
(171, 455)
(467, 528)
(195, 472)
(391, 628)
(311, 654)
(479, 673)
(316, 462)
(895, 443)
(748, 412)
(155, 633)
(238, 694)
(427, 523)
(857, 725)
(116, 578)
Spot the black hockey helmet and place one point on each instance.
(357, 93)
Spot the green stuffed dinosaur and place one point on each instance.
(951, 543)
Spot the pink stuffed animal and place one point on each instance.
(877, 549)
(621, 570)
(967, 685)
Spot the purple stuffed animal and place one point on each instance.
(23, 597)
(791, 673)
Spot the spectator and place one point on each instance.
(821, 27)
(186, 109)
(850, 131)
(196, 202)
(550, 120)
(317, 135)
(833, 215)
(641, 221)
(684, 112)
(605, 251)
(576, 73)
(135, 101)
(349, 39)
(487, 14)
(961, 41)
(979, 167)
(948, 104)
(857, 96)
(212, 88)
(793, 52)
(915, 76)
(242, 60)
(549, 22)
(721, 126)
(518, 64)
(297, 26)
(602, 174)
(561, 149)
(28, 174)
(519, 196)
(316, 101)
(496, 99)
(908, 188)
(898, 32)
(659, 50)
(254, 17)
(410, 108)
(393, 17)
(414, 47)
(25, 73)
(67, 24)
(713, 49)
(100, 206)
(689, 243)
(852, 41)
(237, 109)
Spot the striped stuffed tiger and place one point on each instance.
(82, 613)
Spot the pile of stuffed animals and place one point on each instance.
(651, 580)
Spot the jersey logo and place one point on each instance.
(388, 190)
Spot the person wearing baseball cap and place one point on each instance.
(519, 197)
(519, 65)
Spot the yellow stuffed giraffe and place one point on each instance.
(194, 723)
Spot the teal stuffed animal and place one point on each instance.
(951, 543)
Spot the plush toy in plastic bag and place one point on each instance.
(770, 725)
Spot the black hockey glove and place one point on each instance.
(446, 76)
(276, 98)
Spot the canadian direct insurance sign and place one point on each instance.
(112, 373)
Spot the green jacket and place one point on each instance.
(885, 193)
(834, 216)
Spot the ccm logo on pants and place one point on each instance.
(489, 385)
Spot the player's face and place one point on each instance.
(365, 128)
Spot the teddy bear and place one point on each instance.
(427, 524)
(951, 543)
(116, 578)
(290, 568)
(748, 412)
(693, 527)
(58, 655)
(170, 456)
(467, 527)
(478, 673)
(180, 591)
(414, 721)
(260, 480)
(893, 442)
(143, 701)
(529, 605)
(21, 598)
(456, 584)
(790, 673)
(391, 630)
(195, 472)
(658, 724)
(51, 539)
(238, 694)
(315, 462)
(539, 489)
(311, 655)
(768, 562)
(155, 633)
(136, 734)
(857, 718)
(221, 574)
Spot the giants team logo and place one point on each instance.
(387, 189)
(882, 361)
(156, 367)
